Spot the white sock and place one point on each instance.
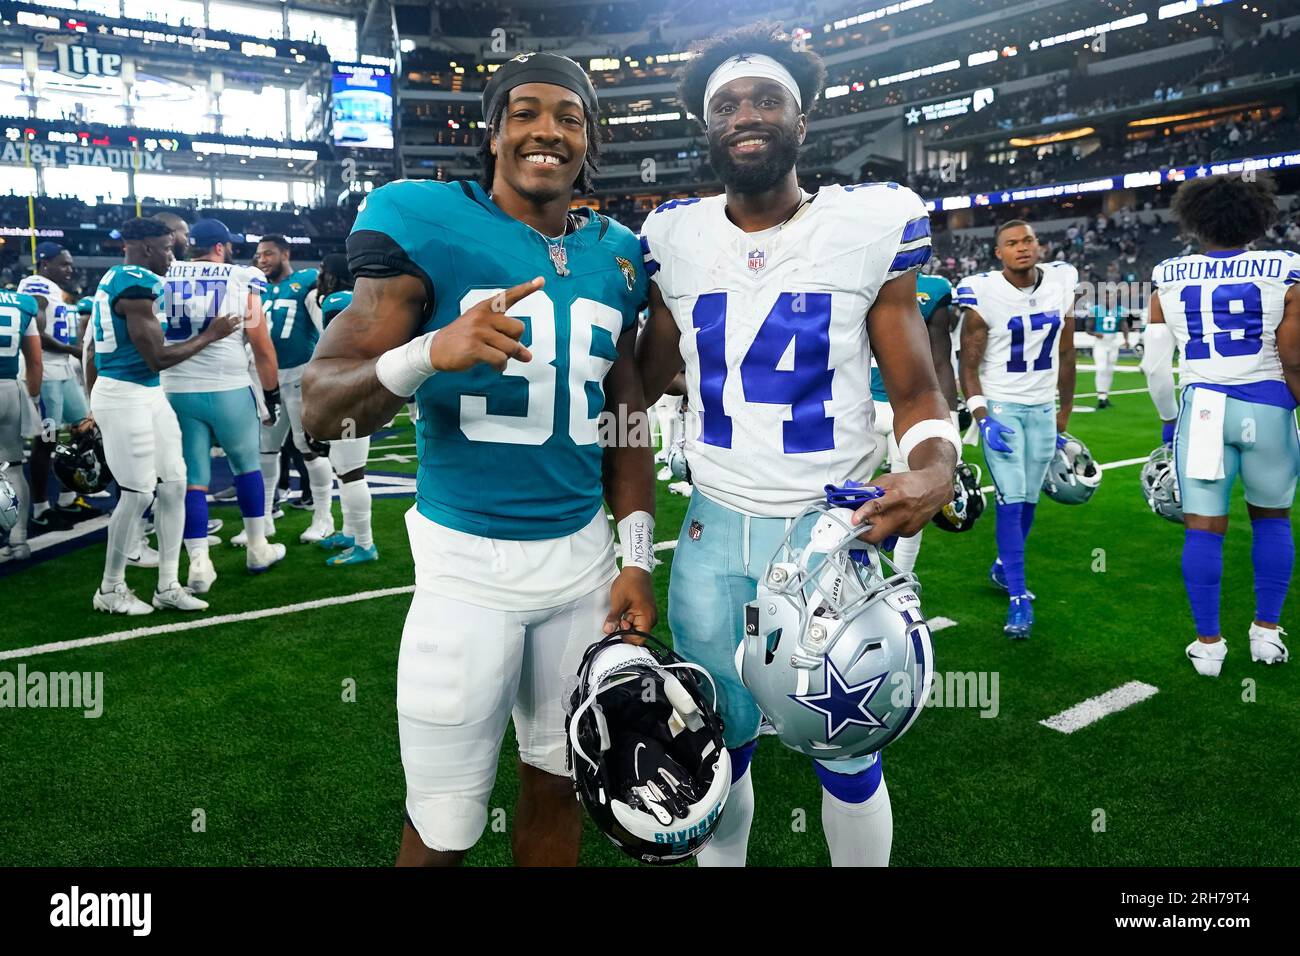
(123, 536)
(320, 476)
(858, 834)
(40, 508)
(18, 533)
(907, 551)
(355, 496)
(66, 498)
(270, 465)
(196, 548)
(255, 531)
(169, 523)
(730, 843)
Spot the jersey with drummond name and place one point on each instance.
(17, 319)
(196, 293)
(1024, 325)
(60, 323)
(774, 336)
(932, 294)
(115, 353)
(508, 455)
(1224, 310)
(333, 304)
(294, 323)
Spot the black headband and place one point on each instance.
(539, 68)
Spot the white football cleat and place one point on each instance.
(1266, 645)
(664, 473)
(15, 552)
(241, 540)
(147, 557)
(201, 575)
(1207, 658)
(120, 600)
(316, 532)
(214, 525)
(179, 599)
(259, 559)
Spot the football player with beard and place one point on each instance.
(514, 558)
(774, 300)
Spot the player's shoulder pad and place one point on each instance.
(938, 286)
(337, 300)
(968, 290)
(406, 199)
(26, 304)
(36, 285)
(879, 198)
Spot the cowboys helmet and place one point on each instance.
(967, 503)
(80, 463)
(677, 462)
(1160, 484)
(8, 501)
(645, 749)
(1072, 476)
(836, 651)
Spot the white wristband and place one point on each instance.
(404, 369)
(636, 534)
(926, 429)
(975, 403)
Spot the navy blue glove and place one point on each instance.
(993, 431)
(1167, 433)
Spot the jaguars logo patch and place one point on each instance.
(629, 272)
(922, 298)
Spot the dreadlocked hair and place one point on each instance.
(586, 182)
(1227, 210)
(765, 37)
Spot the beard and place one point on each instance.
(755, 176)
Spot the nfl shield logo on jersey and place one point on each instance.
(757, 260)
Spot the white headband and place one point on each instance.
(750, 64)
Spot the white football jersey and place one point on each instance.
(196, 293)
(1224, 310)
(774, 336)
(1020, 360)
(60, 322)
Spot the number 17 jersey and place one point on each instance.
(774, 336)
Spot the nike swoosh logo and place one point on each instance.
(636, 756)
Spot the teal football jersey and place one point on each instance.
(292, 329)
(17, 313)
(511, 455)
(932, 294)
(333, 304)
(1105, 321)
(115, 354)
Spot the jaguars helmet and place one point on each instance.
(1072, 476)
(80, 463)
(968, 501)
(644, 747)
(836, 651)
(1160, 484)
(9, 508)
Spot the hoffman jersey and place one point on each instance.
(17, 319)
(333, 304)
(932, 294)
(115, 354)
(196, 293)
(292, 317)
(774, 336)
(1224, 309)
(60, 324)
(511, 454)
(1020, 359)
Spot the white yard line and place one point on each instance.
(1095, 708)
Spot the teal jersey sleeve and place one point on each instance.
(932, 294)
(17, 313)
(512, 455)
(115, 353)
(85, 305)
(333, 304)
(293, 330)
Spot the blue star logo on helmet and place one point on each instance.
(843, 704)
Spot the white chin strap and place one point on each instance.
(756, 65)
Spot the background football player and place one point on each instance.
(209, 392)
(1017, 350)
(1235, 315)
(347, 455)
(19, 333)
(295, 322)
(142, 439)
(1108, 323)
(775, 300)
(63, 400)
(514, 555)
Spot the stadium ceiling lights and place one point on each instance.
(1197, 114)
(878, 14)
(1049, 138)
(1125, 23)
(1170, 10)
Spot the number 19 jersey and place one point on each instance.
(774, 336)
(1020, 360)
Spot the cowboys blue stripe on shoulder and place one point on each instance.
(910, 259)
(916, 229)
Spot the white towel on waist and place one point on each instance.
(1205, 436)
